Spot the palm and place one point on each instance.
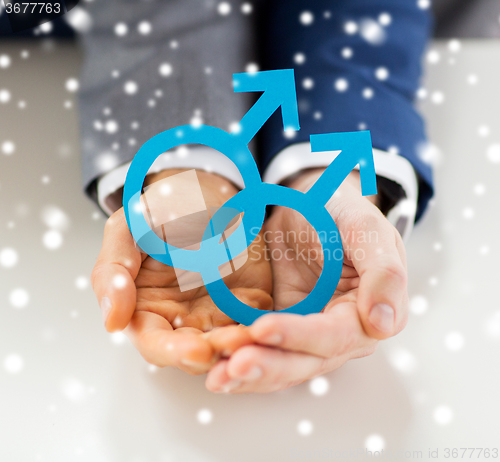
(158, 292)
(178, 209)
(295, 277)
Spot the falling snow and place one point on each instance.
(374, 443)
(8, 257)
(341, 85)
(306, 18)
(443, 415)
(165, 69)
(204, 416)
(144, 27)
(13, 363)
(319, 386)
(224, 8)
(19, 298)
(305, 427)
(454, 341)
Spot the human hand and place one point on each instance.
(142, 295)
(369, 304)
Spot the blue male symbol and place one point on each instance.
(278, 89)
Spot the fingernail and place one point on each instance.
(253, 374)
(194, 364)
(226, 353)
(105, 308)
(273, 339)
(229, 386)
(382, 317)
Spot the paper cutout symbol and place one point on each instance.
(278, 89)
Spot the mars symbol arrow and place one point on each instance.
(278, 89)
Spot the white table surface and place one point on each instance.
(69, 391)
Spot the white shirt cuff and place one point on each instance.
(298, 157)
(200, 157)
(291, 160)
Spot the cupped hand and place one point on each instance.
(141, 295)
(369, 304)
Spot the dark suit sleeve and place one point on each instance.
(389, 114)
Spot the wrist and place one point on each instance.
(216, 190)
(304, 180)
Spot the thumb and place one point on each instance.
(113, 276)
(380, 260)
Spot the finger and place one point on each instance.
(161, 345)
(336, 332)
(218, 380)
(226, 340)
(114, 273)
(382, 296)
(257, 369)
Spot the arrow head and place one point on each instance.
(278, 89)
(356, 148)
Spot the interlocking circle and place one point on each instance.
(252, 201)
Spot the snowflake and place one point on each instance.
(52, 239)
(252, 68)
(341, 85)
(121, 29)
(305, 427)
(368, 93)
(204, 416)
(13, 363)
(19, 298)
(424, 4)
(319, 386)
(144, 27)
(454, 341)
(433, 57)
(224, 8)
(308, 83)
(372, 32)
(385, 19)
(299, 58)
(4, 96)
(72, 85)
(493, 153)
(165, 69)
(8, 147)
(374, 443)
(479, 189)
(130, 87)
(483, 130)
(306, 18)
(111, 126)
(246, 8)
(73, 389)
(55, 218)
(382, 73)
(81, 282)
(4, 61)
(454, 45)
(8, 257)
(472, 79)
(437, 97)
(418, 303)
(79, 19)
(443, 415)
(119, 281)
(346, 53)
(403, 360)
(350, 27)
